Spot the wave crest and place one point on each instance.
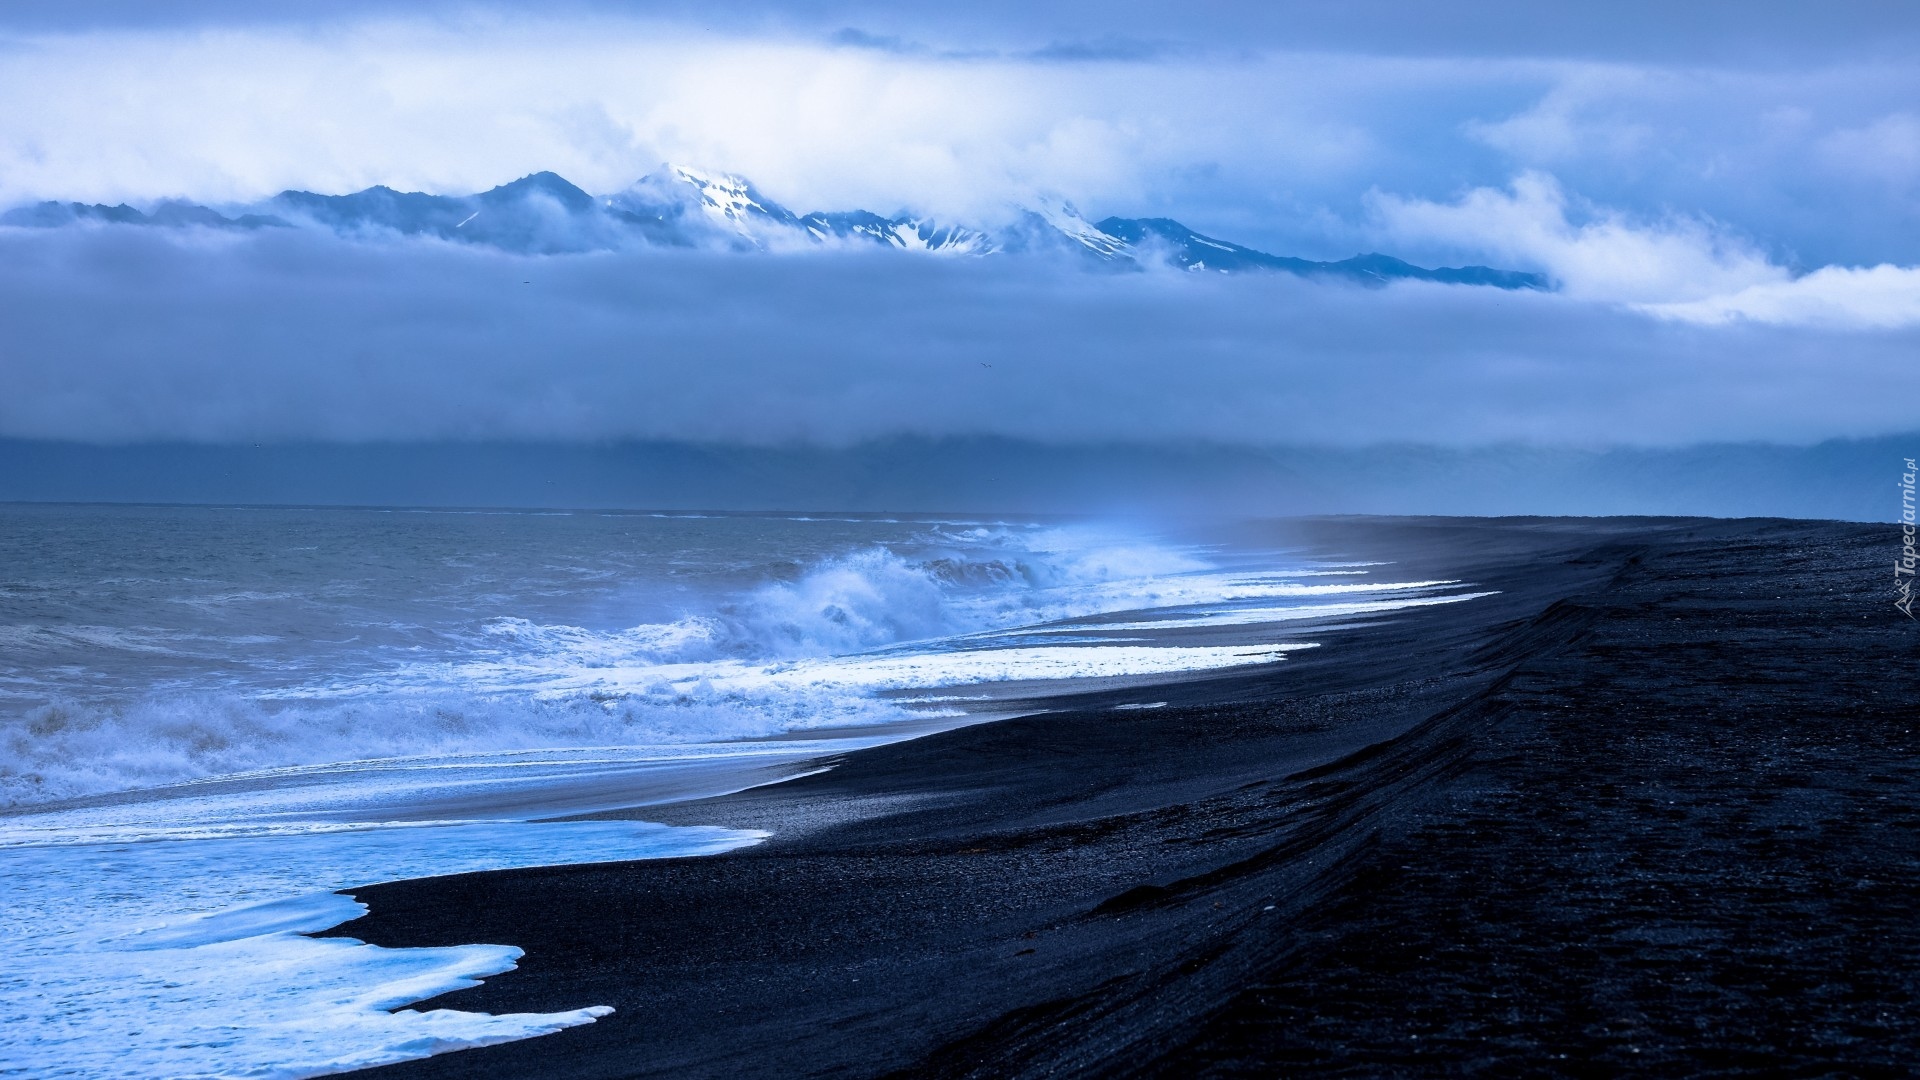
(772, 657)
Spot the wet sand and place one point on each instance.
(1653, 809)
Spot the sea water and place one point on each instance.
(211, 719)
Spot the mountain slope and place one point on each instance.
(679, 207)
(170, 213)
(1185, 248)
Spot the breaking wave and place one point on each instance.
(860, 636)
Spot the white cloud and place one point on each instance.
(1887, 149)
(1582, 116)
(1690, 171)
(1678, 268)
(458, 107)
(1880, 297)
(1606, 256)
(1234, 136)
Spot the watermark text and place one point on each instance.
(1904, 565)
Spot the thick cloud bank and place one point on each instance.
(1265, 123)
(122, 335)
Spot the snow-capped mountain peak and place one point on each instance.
(1065, 218)
(728, 197)
(677, 206)
(920, 234)
(723, 195)
(699, 207)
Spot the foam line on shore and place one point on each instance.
(131, 958)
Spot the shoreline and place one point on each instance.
(1102, 891)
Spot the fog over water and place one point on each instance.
(282, 337)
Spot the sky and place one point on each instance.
(1727, 197)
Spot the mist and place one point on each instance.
(120, 335)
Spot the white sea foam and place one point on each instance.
(1260, 616)
(186, 958)
(424, 790)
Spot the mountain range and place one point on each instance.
(544, 214)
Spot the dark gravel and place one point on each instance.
(1653, 810)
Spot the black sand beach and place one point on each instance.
(1654, 809)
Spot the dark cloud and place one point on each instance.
(854, 38)
(1709, 31)
(120, 335)
(1105, 49)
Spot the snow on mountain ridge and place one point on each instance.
(726, 196)
(1065, 218)
(677, 206)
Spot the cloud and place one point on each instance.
(1887, 149)
(119, 334)
(1678, 268)
(1109, 48)
(238, 114)
(1809, 161)
(1681, 188)
(1589, 112)
(1265, 129)
(1834, 296)
(853, 37)
(1603, 256)
(1703, 33)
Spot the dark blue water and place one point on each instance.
(143, 646)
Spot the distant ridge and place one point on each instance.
(680, 207)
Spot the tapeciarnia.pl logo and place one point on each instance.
(1903, 567)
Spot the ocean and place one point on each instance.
(213, 718)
